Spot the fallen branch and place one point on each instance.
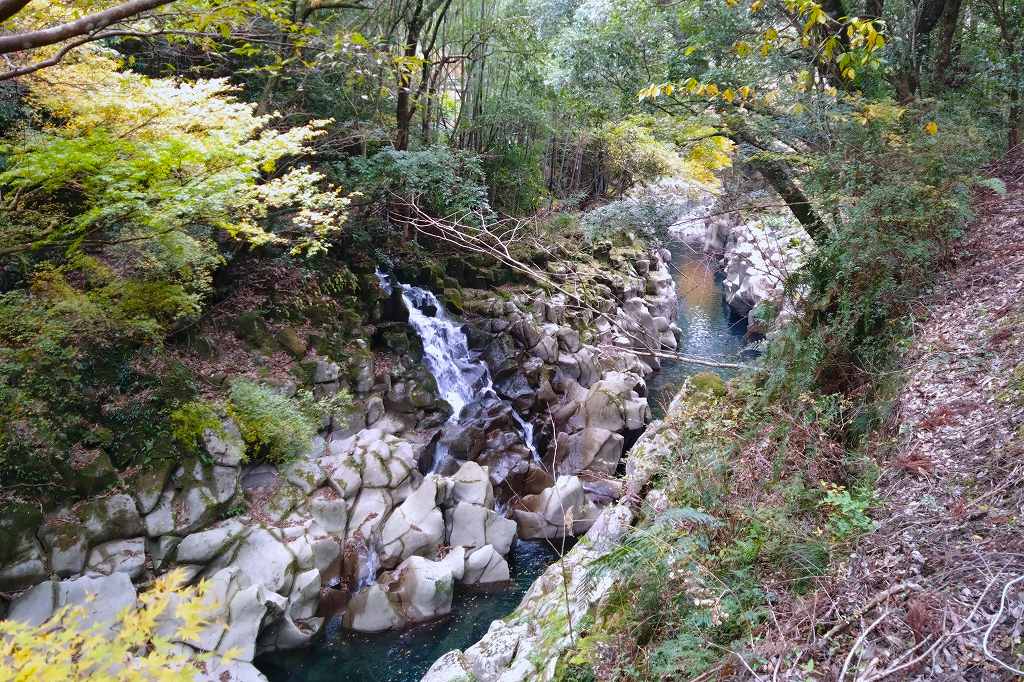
(495, 238)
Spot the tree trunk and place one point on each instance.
(948, 24)
(1015, 121)
(778, 175)
(403, 102)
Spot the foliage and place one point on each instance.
(191, 421)
(148, 159)
(121, 201)
(138, 645)
(274, 426)
(647, 217)
(442, 181)
(847, 512)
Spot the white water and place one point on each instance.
(460, 378)
(369, 577)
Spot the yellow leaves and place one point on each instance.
(931, 128)
(695, 88)
(742, 48)
(815, 17)
(886, 113)
(708, 155)
(804, 81)
(132, 648)
(849, 73)
(756, 6)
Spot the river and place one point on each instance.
(708, 330)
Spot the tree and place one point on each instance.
(42, 34)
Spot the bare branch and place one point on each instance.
(8, 8)
(90, 25)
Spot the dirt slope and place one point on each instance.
(937, 592)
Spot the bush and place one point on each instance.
(648, 217)
(442, 181)
(274, 426)
(190, 421)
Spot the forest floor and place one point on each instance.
(936, 592)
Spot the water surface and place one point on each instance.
(710, 329)
(342, 656)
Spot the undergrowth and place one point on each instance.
(771, 481)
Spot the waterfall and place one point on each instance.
(369, 577)
(460, 378)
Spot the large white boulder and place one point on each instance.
(102, 599)
(557, 512)
(471, 526)
(484, 566)
(416, 527)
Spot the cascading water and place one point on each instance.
(369, 574)
(460, 378)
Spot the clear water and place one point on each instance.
(342, 656)
(710, 329)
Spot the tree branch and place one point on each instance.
(90, 25)
(8, 8)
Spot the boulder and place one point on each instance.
(118, 556)
(225, 446)
(471, 526)
(559, 511)
(370, 610)
(472, 485)
(592, 448)
(102, 599)
(262, 559)
(304, 474)
(423, 588)
(452, 667)
(416, 527)
(484, 565)
(367, 514)
(25, 565)
(330, 511)
(202, 547)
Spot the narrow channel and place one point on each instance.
(708, 330)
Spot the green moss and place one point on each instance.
(707, 383)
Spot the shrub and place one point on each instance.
(274, 426)
(442, 181)
(191, 420)
(64, 648)
(647, 216)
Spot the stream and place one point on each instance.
(708, 330)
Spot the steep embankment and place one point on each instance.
(936, 591)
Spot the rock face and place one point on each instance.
(757, 258)
(357, 515)
(526, 645)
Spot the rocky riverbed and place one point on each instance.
(508, 424)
